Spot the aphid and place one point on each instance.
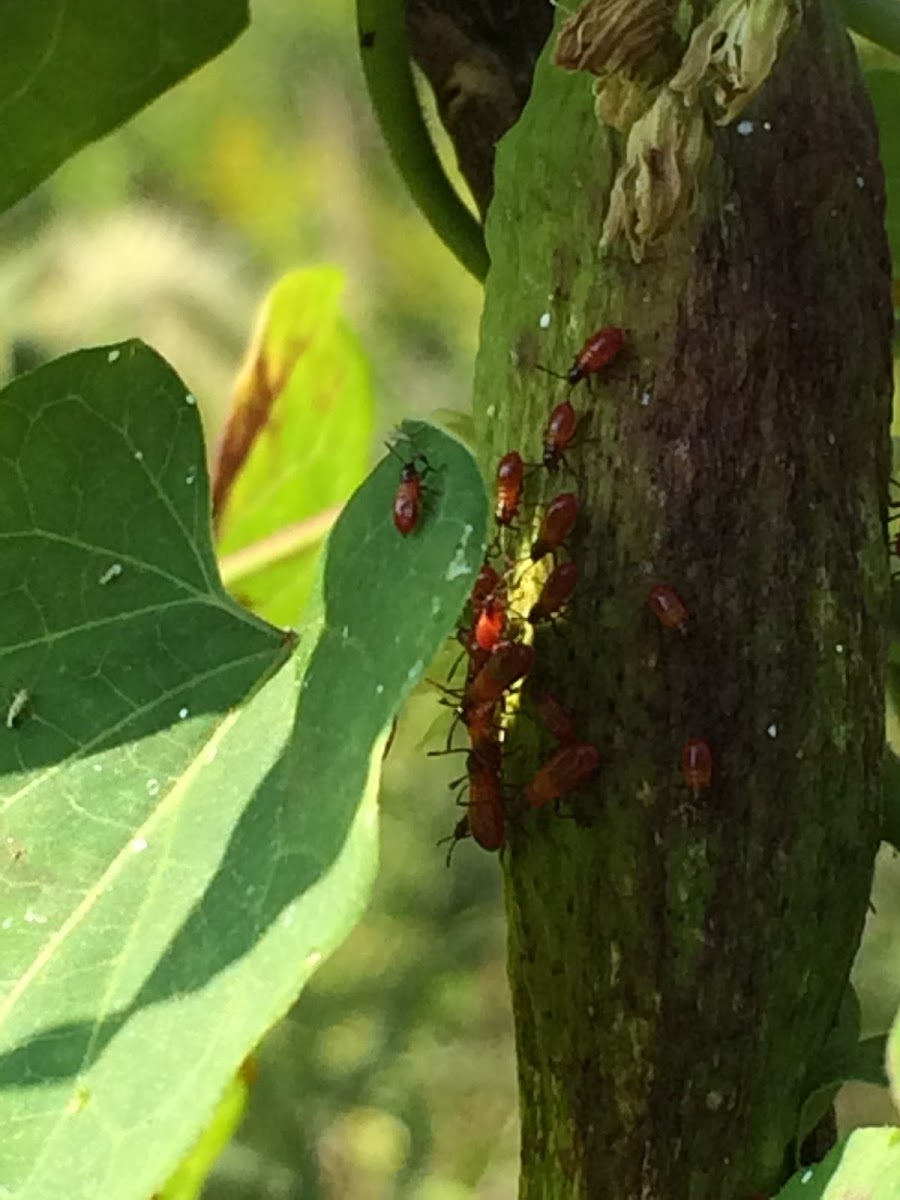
(508, 663)
(597, 352)
(559, 520)
(18, 707)
(568, 769)
(490, 625)
(555, 716)
(510, 481)
(559, 433)
(557, 589)
(696, 765)
(668, 607)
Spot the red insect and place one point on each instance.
(482, 728)
(668, 607)
(555, 716)
(697, 765)
(508, 663)
(558, 587)
(488, 582)
(510, 481)
(486, 818)
(490, 624)
(597, 352)
(568, 769)
(408, 499)
(409, 495)
(559, 433)
(559, 520)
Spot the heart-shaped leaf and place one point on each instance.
(187, 830)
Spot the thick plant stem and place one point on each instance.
(678, 959)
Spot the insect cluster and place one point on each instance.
(499, 661)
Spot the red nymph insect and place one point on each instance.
(559, 433)
(668, 607)
(559, 520)
(510, 662)
(510, 481)
(487, 823)
(697, 765)
(568, 769)
(597, 352)
(555, 716)
(490, 624)
(409, 495)
(557, 589)
(487, 583)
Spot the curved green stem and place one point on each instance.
(385, 57)
(877, 20)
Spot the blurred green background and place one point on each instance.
(394, 1076)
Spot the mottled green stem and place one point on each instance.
(381, 26)
(678, 960)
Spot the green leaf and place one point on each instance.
(891, 830)
(190, 1175)
(884, 88)
(877, 20)
(859, 1062)
(296, 444)
(893, 1059)
(187, 831)
(72, 70)
(863, 1166)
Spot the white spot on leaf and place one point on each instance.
(17, 707)
(112, 572)
(113, 356)
(138, 844)
(544, 322)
